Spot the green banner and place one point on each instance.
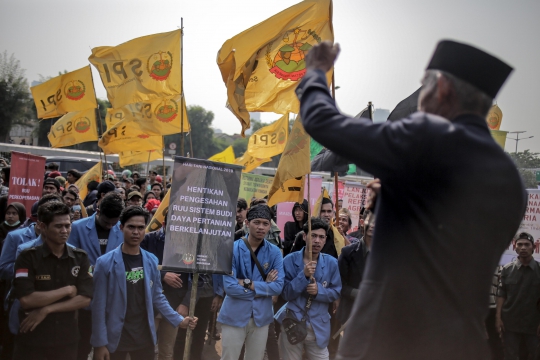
(252, 185)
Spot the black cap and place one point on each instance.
(472, 65)
(105, 187)
(52, 181)
(525, 236)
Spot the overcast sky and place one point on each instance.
(386, 45)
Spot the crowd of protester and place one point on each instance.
(80, 277)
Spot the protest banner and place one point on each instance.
(202, 216)
(530, 224)
(26, 179)
(254, 186)
(354, 199)
(141, 69)
(332, 190)
(284, 210)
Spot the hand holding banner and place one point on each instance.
(74, 128)
(69, 92)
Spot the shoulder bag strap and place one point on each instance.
(255, 259)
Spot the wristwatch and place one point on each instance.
(247, 283)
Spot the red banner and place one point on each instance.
(26, 179)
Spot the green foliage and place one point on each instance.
(526, 159)
(14, 95)
(240, 146)
(202, 134)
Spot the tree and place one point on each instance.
(14, 95)
(527, 162)
(202, 135)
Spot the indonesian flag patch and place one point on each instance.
(21, 273)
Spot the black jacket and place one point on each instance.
(450, 202)
(351, 262)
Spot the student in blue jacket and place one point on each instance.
(97, 235)
(247, 308)
(127, 289)
(316, 278)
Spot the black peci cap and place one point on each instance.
(472, 65)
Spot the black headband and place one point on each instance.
(260, 211)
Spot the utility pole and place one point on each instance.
(517, 139)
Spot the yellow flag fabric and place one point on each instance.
(261, 66)
(316, 211)
(294, 163)
(69, 92)
(139, 157)
(494, 118)
(155, 117)
(128, 136)
(270, 140)
(94, 174)
(112, 118)
(249, 162)
(141, 69)
(226, 156)
(339, 241)
(74, 128)
(159, 216)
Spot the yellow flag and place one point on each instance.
(261, 66)
(69, 92)
(270, 140)
(139, 157)
(128, 136)
(249, 162)
(339, 241)
(94, 174)
(112, 118)
(74, 128)
(155, 117)
(294, 164)
(494, 118)
(141, 69)
(159, 216)
(226, 156)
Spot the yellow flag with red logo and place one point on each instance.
(94, 174)
(262, 65)
(74, 128)
(129, 136)
(494, 118)
(249, 162)
(159, 216)
(69, 92)
(288, 182)
(226, 156)
(270, 140)
(139, 157)
(141, 69)
(156, 117)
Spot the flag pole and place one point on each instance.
(336, 186)
(163, 156)
(148, 164)
(309, 216)
(183, 105)
(192, 304)
(100, 125)
(191, 142)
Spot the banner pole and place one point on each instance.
(309, 216)
(191, 142)
(163, 156)
(148, 164)
(182, 86)
(100, 127)
(192, 304)
(335, 172)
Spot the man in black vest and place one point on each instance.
(450, 202)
